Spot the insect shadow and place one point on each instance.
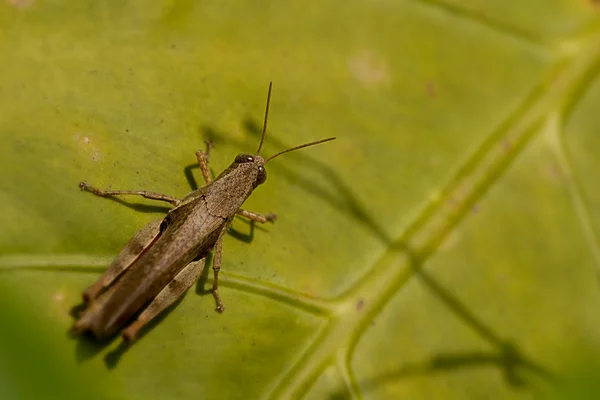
(140, 207)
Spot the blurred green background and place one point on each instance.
(444, 247)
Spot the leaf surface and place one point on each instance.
(445, 246)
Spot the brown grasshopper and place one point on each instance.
(164, 259)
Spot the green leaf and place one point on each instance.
(445, 246)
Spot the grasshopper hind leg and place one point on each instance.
(167, 296)
(144, 193)
(136, 246)
(96, 295)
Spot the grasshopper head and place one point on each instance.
(256, 161)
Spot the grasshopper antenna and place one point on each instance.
(262, 138)
(300, 147)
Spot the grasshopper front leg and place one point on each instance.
(202, 157)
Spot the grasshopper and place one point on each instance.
(166, 257)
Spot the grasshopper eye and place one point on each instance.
(262, 176)
(243, 158)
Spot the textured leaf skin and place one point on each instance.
(445, 246)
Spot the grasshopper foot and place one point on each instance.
(220, 307)
(271, 217)
(209, 145)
